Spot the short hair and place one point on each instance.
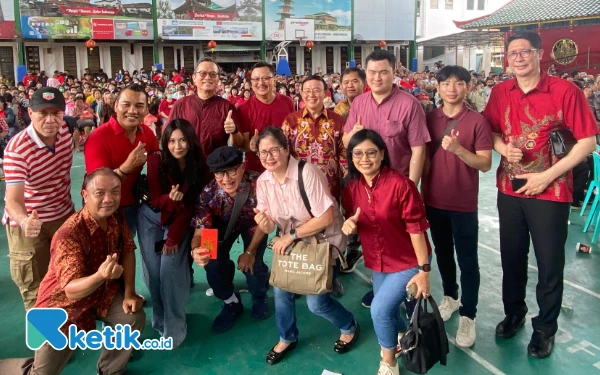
(262, 64)
(381, 55)
(532, 37)
(135, 88)
(449, 71)
(207, 59)
(361, 73)
(314, 77)
(274, 132)
(358, 138)
(103, 171)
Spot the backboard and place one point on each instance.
(302, 29)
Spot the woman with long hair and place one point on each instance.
(174, 182)
(385, 208)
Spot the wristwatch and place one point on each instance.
(293, 233)
(425, 268)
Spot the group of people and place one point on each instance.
(365, 161)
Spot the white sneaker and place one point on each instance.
(465, 336)
(385, 369)
(448, 306)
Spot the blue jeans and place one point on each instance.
(323, 306)
(168, 276)
(390, 291)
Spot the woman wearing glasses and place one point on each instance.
(385, 209)
(174, 181)
(280, 205)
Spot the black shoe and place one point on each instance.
(273, 357)
(509, 326)
(541, 345)
(338, 288)
(352, 259)
(344, 347)
(229, 313)
(368, 299)
(260, 308)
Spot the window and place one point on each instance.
(480, 4)
(433, 4)
(418, 8)
(449, 4)
(470, 4)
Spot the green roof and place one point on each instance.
(519, 12)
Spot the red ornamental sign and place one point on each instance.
(211, 16)
(89, 11)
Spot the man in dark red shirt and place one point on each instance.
(461, 147)
(123, 144)
(534, 187)
(264, 108)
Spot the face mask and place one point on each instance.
(228, 90)
(481, 91)
(434, 82)
(170, 96)
(160, 96)
(61, 89)
(150, 93)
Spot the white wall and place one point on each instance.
(385, 19)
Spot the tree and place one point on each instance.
(164, 10)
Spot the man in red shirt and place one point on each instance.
(122, 144)
(265, 108)
(534, 187)
(461, 147)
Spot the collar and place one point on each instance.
(116, 127)
(382, 173)
(394, 92)
(542, 85)
(91, 224)
(459, 116)
(305, 113)
(290, 174)
(33, 135)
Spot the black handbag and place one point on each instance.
(141, 191)
(425, 343)
(560, 143)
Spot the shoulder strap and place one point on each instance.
(301, 164)
(448, 130)
(442, 331)
(240, 201)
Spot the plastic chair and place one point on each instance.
(595, 184)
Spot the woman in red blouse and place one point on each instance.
(385, 209)
(246, 94)
(164, 232)
(233, 96)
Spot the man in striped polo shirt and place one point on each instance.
(37, 166)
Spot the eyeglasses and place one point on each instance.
(261, 79)
(210, 74)
(274, 152)
(358, 154)
(230, 172)
(524, 53)
(313, 91)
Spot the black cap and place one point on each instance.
(225, 157)
(47, 97)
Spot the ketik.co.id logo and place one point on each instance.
(43, 325)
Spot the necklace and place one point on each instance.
(372, 190)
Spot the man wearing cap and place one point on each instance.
(37, 167)
(214, 210)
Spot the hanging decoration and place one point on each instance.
(310, 44)
(382, 44)
(90, 43)
(212, 45)
(571, 26)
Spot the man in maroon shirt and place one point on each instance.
(264, 108)
(461, 147)
(123, 144)
(534, 187)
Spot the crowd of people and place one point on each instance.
(375, 149)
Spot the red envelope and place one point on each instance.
(210, 239)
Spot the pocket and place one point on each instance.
(21, 268)
(391, 128)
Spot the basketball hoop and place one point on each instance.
(302, 41)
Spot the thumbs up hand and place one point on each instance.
(450, 142)
(513, 153)
(175, 194)
(350, 225)
(254, 141)
(31, 225)
(229, 125)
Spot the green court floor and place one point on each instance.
(243, 349)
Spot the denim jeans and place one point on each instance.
(168, 276)
(324, 306)
(390, 291)
(221, 271)
(450, 230)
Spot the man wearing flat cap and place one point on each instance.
(232, 186)
(37, 166)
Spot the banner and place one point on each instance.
(7, 15)
(210, 19)
(97, 19)
(289, 19)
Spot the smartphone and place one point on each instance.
(158, 246)
(517, 183)
(411, 292)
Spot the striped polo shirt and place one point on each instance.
(45, 172)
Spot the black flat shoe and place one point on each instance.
(509, 326)
(541, 345)
(273, 357)
(342, 347)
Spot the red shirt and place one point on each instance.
(233, 99)
(166, 106)
(447, 169)
(385, 224)
(60, 79)
(528, 119)
(108, 146)
(256, 115)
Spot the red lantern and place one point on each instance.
(382, 44)
(310, 45)
(212, 45)
(90, 44)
